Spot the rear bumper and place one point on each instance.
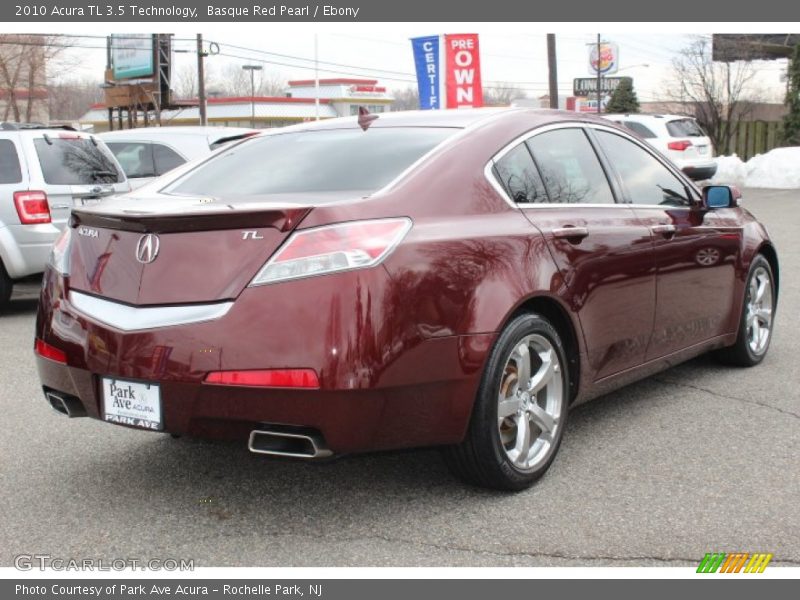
(382, 385)
(24, 249)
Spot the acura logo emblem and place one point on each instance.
(147, 248)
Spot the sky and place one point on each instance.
(383, 51)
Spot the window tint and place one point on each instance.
(76, 161)
(166, 158)
(135, 158)
(570, 168)
(640, 129)
(684, 128)
(312, 161)
(10, 171)
(518, 175)
(645, 179)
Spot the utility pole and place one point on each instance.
(552, 69)
(252, 69)
(316, 77)
(201, 81)
(599, 91)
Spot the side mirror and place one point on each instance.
(721, 196)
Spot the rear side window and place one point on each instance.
(312, 161)
(645, 179)
(10, 171)
(684, 128)
(640, 129)
(166, 158)
(135, 158)
(76, 161)
(517, 173)
(570, 168)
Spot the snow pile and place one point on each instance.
(777, 169)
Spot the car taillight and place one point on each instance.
(679, 146)
(45, 350)
(333, 248)
(280, 378)
(32, 207)
(59, 253)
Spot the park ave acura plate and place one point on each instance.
(132, 403)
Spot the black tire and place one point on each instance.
(482, 459)
(741, 354)
(6, 286)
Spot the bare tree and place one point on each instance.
(24, 64)
(235, 81)
(70, 99)
(502, 94)
(184, 81)
(721, 94)
(406, 99)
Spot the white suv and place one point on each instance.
(44, 172)
(677, 137)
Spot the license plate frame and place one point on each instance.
(132, 403)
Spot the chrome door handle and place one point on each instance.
(570, 232)
(663, 229)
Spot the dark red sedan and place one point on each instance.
(454, 278)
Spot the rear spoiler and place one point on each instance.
(231, 138)
(282, 219)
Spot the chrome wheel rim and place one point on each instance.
(758, 313)
(530, 402)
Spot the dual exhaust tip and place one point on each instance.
(289, 442)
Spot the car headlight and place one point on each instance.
(59, 253)
(334, 248)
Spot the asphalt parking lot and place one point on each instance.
(700, 458)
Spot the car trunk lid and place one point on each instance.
(175, 250)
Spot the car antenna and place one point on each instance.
(365, 119)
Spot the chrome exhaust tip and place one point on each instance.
(65, 405)
(289, 444)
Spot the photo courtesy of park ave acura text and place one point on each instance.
(394, 293)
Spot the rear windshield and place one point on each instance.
(684, 128)
(76, 161)
(312, 161)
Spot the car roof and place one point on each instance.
(644, 116)
(162, 132)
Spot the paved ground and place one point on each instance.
(700, 458)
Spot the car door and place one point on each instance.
(696, 251)
(602, 250)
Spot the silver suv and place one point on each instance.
(44, 172)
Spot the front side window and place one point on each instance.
(570, 168)
(517, 173)
(646, 179)
(10, 171)
(76, 161)
(312, 161)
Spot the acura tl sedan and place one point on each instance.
(451, 278)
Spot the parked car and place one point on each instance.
(150, 152)
(678, 137)
(44, 173)
(455, 278)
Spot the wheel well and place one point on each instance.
(558, 317)
(772, 258)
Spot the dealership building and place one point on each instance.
(338, 97)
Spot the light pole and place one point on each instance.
(252, 69)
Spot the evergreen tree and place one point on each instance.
(791, 121)
(624, 99)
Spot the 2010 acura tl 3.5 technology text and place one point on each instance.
(454, 278)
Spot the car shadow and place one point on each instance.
(20, 306)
